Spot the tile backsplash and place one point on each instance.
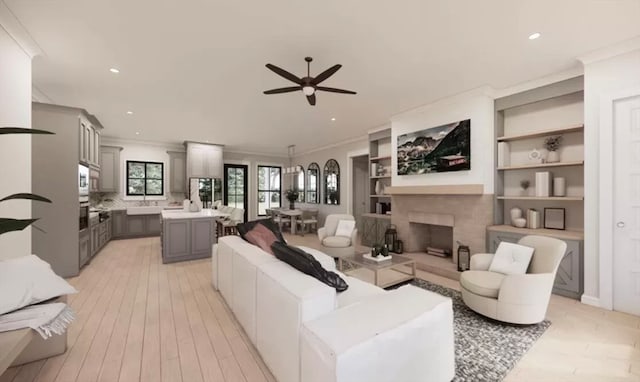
(113, 200)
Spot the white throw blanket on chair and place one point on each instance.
(45, 319)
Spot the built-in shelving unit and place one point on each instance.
(379, 169)
(541, 165)
(541, 133)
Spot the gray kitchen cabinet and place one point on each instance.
(109, 169)
(95, 239)
(118, 223)
(186, 239)
(153, 225)
(204, 160)
(569, 280)
(84, 130)
(136, 225)
(373, 229)
(177, 172)
(85, 247)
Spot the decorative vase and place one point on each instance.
(553, 157)
(516, 213)
(378, 188)
(292, 205)
(559, 187)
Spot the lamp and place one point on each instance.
(308, 90)
(391, 237)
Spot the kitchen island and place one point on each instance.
(188, 235)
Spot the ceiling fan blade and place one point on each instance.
(334, 90)
(284, 73)
(312, 99)
(283, 90)
(326, 74)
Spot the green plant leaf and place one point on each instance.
(10, 225)
(21, 130)
(26, 196)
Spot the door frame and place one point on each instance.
(225, 192)
(350, 156)
(605, 197)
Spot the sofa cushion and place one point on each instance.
(511, 259)
(325, 260)
(243, 228)
(358, 291)
(483, 283)
(345, 228)
(305, 263)
(336, 242)
(262, 237)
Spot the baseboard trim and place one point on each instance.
(590, 300)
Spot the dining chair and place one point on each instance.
(279, 219)
(307, 220)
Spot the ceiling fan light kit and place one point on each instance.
(308, 84)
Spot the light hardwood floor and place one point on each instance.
(140, 320)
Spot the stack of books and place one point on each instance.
(438, 252)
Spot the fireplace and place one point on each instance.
(431, 233)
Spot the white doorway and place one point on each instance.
(360, 188)
(626, 205)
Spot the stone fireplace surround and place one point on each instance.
(467, 215)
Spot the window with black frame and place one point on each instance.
(332, 182)
(299, 181)
(313, 183)
(269, 186)
(145, 178)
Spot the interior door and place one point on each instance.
(235, 187)
(360, 188)
(626, 254)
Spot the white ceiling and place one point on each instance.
(194, 69)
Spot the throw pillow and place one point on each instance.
(27, 280)
(511, 259)
(262, 237)
(345, 228)
(243, 228)
(307, 264)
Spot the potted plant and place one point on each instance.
(292, 195)
(552, 144)
(525, 186)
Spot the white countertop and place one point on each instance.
(181, 214)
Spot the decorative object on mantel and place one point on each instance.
(520, 222)
(533, 218)
(543, 184)
(525, 187)
(516, 213)
(504, 154)
(464, 257)
(292, 195)
(379, 188)
(391, 237)
(437, 149)
(552, 144)
(559, 187)
(554, 218)
(535, 156)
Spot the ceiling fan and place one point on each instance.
(308, 84)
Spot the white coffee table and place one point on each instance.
(385, 274)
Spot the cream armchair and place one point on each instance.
(518, 299)
(337, 246)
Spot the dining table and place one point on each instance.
(292, 214)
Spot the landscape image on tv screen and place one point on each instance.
(436, 149)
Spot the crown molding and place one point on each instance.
(332, 145)
(10, 23)
(576, 71)
(256, 153)
(611, 51)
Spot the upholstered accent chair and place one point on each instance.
(337, 246)
(517, 299)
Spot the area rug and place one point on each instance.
(486, 350)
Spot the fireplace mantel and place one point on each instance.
(447, 189)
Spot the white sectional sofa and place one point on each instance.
(307, 332)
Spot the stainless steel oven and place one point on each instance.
(84, 214)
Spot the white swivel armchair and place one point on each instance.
(337, 246)
(517, 299)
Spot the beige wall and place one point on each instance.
(15, 150)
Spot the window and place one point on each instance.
(269, 186)
(332, 182)
(313, 183)
(145, 178)
(299, 179)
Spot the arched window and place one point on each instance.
(313, 183)
(299, 183)
(332, 182)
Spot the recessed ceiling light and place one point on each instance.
(129, 112)
(137, 133)
(534, 36)
(114, 70)
(333, 119)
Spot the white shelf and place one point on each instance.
(386, 157)
(541, 165)
(542, 133)
(544, 198)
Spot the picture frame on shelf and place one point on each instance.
(554, 218)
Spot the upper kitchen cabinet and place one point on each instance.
(177, 172)
(109, 168)
(204, 160)
(89, 135)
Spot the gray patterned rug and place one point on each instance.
(486, 350)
